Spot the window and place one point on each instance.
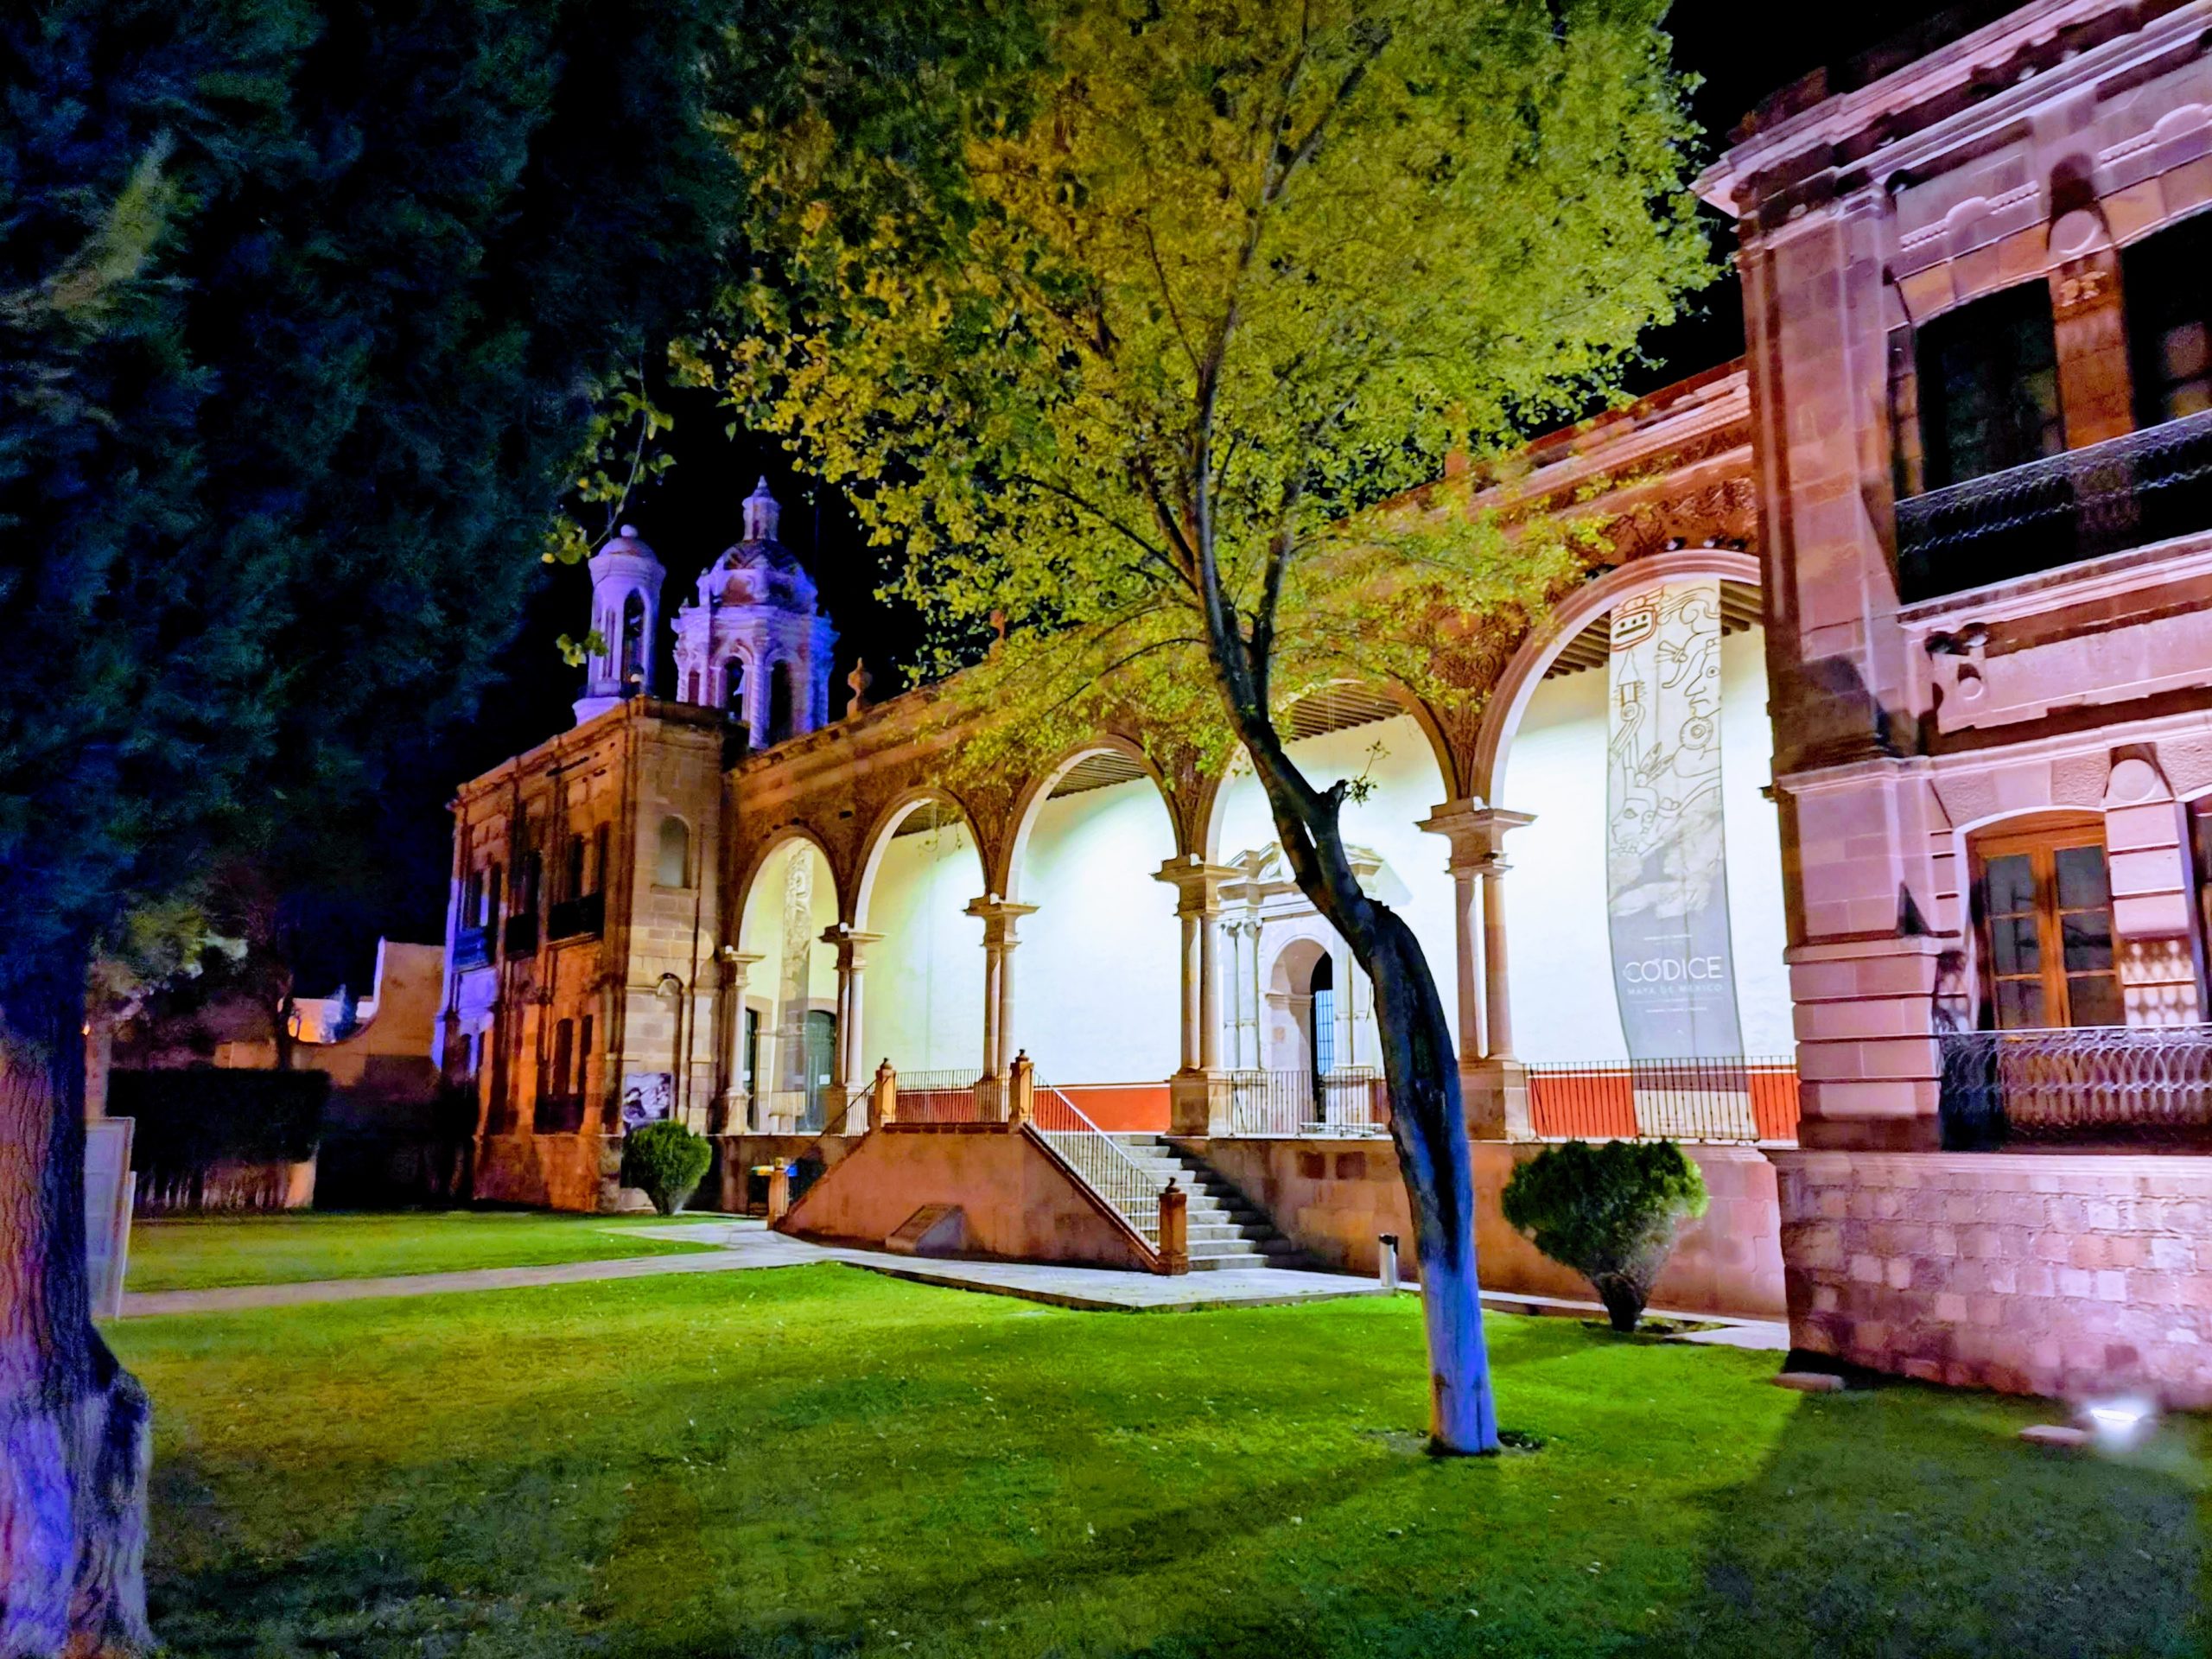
(1989, 386)
(583, 1056)
(574, 873)
(1322, 1047)
(599, 859)
(2045, 905)
(491, 896)
(734, 687)
(781, 686)
(564, 1045)
(748, 1054)
(471, 899)
(672, 859)
(2169, 322)
(633, 644)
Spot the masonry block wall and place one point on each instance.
(2040, 1274)
(1335, 1198)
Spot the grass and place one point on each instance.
(819, 1461)
(288, 1248)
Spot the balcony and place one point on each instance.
(574, 919)
(2145, 486)
(471, 947)
(1350, 1101)
(520, 938)
(2119, 1086)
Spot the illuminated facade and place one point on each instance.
(1876, 753)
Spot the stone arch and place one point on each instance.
(1216, 788)
(757, 861)
(1509, 699)
(877, 841)
(1005, 876)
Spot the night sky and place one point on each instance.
(692, 513)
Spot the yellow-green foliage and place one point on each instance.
(1215, 284)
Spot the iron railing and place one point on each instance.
(1099, 1161)
(519, 935)
(581, 918)
(952, 1096)
(1726, 1098)
(471, 947)
(2120, 1085)
(2143, 487)
(1352, 1101)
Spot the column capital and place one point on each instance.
(1476, 833)
(739, 963)
(1197, 884)
(1000, 918)
(849, 943)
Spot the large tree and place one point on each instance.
(304, 305)
(1155, 375)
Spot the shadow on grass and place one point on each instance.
(1905, 1521)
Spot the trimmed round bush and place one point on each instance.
(666, 1161)
(1611, 1212)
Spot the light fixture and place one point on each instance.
(2119, 1423)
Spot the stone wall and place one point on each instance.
(1019, 1204)
(549, 1172)
(1333, 1198)
(2065, 1275)
(728, 1186)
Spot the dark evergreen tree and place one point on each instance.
(303, 309)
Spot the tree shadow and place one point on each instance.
(1902, 1521)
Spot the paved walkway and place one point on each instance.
(742, 1246)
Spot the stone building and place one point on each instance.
(1849, 808)
(1976, 290)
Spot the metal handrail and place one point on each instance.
(1715, 1097)
(2139, 1084)
(1270, 1105)
(1100, 1162)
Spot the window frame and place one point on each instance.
(2041, 845)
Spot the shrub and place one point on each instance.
(198, 1125)
(667, 1162)
(1609, 1213)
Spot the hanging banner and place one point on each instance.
(1666, 857)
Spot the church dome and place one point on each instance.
(759, 570)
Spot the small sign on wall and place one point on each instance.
(647, 1097)
(109, 1185)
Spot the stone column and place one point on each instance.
(845, 1061)
(735, 1103)
(1000, 918)
(1493, 1081)
(1199, 1092)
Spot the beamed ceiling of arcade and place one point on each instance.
(1668, 473)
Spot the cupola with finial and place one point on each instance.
(754, 643)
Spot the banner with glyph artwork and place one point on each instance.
(1666, 855)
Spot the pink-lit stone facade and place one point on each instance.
(2037, 1274)
(2035, 150)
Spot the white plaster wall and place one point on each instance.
(763, 932)
(1098, 986)
(1555, 895)
(922, 1002)
(1408, 788)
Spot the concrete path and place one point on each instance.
(745, 1245)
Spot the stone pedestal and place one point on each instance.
(1197, 1103)
(1495, 1096)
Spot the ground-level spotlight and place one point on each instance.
(2119, 1423)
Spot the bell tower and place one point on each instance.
(754, 644)
(626, 580)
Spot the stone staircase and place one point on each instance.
(1226, 1230)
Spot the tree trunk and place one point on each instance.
(1623, 1300)
(76, 1439)
(1427, 1120)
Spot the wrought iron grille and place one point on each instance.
(1724, 1098)
(2122, 1084)
(1274, 1104)
(2143, 487)
(951, 1096)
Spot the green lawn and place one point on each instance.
(285, 1249)
(819, 1461)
